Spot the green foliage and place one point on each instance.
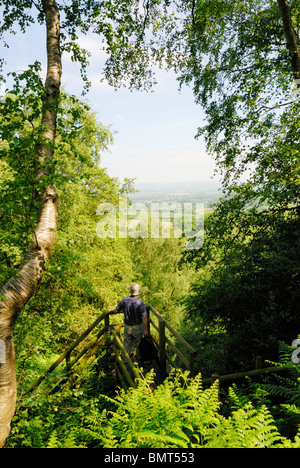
(183, 414)
(248, 269)
(242, 78)
(179, 414)
(246, 295)
(248, 427)
(252, 291)
(18, 135)
(119, 26)
(81, 261)
(156, 263)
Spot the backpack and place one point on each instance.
(148, 349)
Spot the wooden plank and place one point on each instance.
(162, 346)
(154, 325)
(96, 341)
(149, 307)
(123, 367)
(180, 339)
(126, 355)
(120, 377)
(170, 361)
(251, 373)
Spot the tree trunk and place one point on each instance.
(19, 289)
(292, 39)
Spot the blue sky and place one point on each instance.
(155, 131)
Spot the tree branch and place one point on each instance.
(37, 7)
(193, 11)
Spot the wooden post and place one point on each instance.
(68, 360)
(106, 321)
(162, 347)
(258, 362)
(149, 321)
(192, 363)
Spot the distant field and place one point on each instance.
(206, 192)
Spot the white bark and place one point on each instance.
(19, 290)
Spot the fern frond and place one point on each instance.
(264, 431)
(237, 398)
(71, 440)
(53, 441)
(174, 441)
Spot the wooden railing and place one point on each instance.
(166, 347)
(167, 350)
(169, 354)
(126, 370)
(66, 356)
(243, 375)
(127, 373)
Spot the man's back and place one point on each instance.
(134, 310)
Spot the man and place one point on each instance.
(135, 319)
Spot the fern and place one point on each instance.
(285, 388)
(182, 414)
(259, 429)
(68, 441)
(247, 427)
(71, 440)
(178, 439)
(53, 441)
(179, 414)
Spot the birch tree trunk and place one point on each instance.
(18, 290)
(292, 39)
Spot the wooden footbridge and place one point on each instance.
(106, 333)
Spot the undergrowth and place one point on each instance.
(180, 413)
